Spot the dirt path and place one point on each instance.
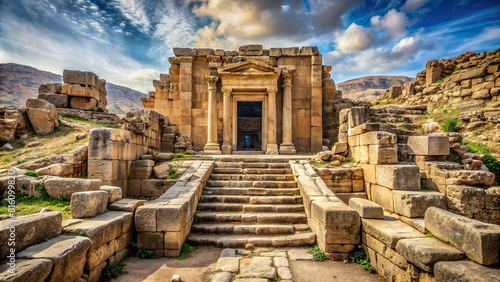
(197, 267)
(329, 271)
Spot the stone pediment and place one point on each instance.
(249, 67)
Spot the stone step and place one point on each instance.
(282, 217)
(256, 200)
(253, 177)
(257, 229)
(252, 171)
(251, 165)
(225, 207)
(240, 241)
(251, 191)
(256, 184)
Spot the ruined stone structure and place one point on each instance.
(210, 93)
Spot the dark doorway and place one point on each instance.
(249, 126)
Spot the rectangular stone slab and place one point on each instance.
(30, 230)
(429, 145)
(480, 241)
(367, 208)
(389, 230)
(398, 176)
(425, 252)
(451, 271)
(67, 253)
(415, 203)
(33, 270)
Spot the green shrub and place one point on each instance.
(100, 110)
(450, 124)
(489, 161)
(32, 173)
(360, 257)
(21, 144)
(318, 255)
(113, 270)
(146, 254)
(21, 161)
(425, 187)
(31, 134)
(185, 250)
(43, 192)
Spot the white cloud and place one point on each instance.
(413, 5)
(134, 11)
(355, 38)
(393, 23)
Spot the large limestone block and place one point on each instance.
(7, 129)
(42, 115)
(464, 271)
(83, 103)
(366, 208)
(382, 196)
(389, 230)
(398, 177)
(105, 227)
(47, 226)
(162, 171)
(429, 145)
(470, 177)
(58, 100)
(59, 169)
(80, 77)
(425, 252)
(114, 193)
(338, 221)
(67, 253)
(382, 154)
(390, 271)
(88, 204)
(492, 198)
(377, 138)
(465, 200)
(479, 241)
(65, 187)
(415, 203)
(49, 88)
(150, 240)
(77, 90)
(33, 270)
(129, 205)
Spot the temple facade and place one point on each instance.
(265, 101)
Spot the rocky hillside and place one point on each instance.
(19, 83)
(369, 87)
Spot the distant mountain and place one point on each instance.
(368, 87)
(19, 83)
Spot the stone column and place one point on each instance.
(226, 146)
(272, 146)
(212, 146)
(287, 147)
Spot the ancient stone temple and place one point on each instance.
(263, 101)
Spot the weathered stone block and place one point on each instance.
(64, 187)
(377, 138)
(67, 253)
(80, 77)
(429, 145)
(7, 129)
(129, 205)
(114, 193)
(452, 271)
(366, 208)
(61, 170)
(58, 100)
(398, 176)
(83, 103)
(382, 154)
(47, 226)
(492, 198)
(152, 187)
(389, 230)
(33, 270)
(49, 88)
(150, 240)
(145, 218)
(339, 222)
(465, 200)
(425, 252)
(42, 115)
(479, 241)
(88, 204)
(415, 203)
(382, 196)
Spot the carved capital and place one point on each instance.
(287, 78)
(271, 90)
(227, 90)
(212, 81)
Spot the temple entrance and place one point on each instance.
(249, 126)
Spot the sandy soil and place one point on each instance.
(329, 271)
(196, 267)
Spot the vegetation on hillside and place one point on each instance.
(489, 161)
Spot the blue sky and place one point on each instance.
(128, 42)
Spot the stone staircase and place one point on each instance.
(251, 202)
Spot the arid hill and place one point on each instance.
(19, 83)
(368, 87)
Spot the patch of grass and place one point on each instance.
(6, 160)
(21, 144)
(77, 119)
(21, 162)
(178, 156)
(71, 233)
(31, 173)
(425, 187)
(489, 161)
(85, 175)
(185, 251)
(314, 175)
(113, 270)
(318, 255)
(430, 235)
(146, 254)
(99, 110)
(171, 173)
(405, 127)
(26, 205)
(31, 134)
(450, 124)
(362, 259)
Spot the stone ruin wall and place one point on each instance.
(183, 94)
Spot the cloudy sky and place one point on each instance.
(128, 42)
